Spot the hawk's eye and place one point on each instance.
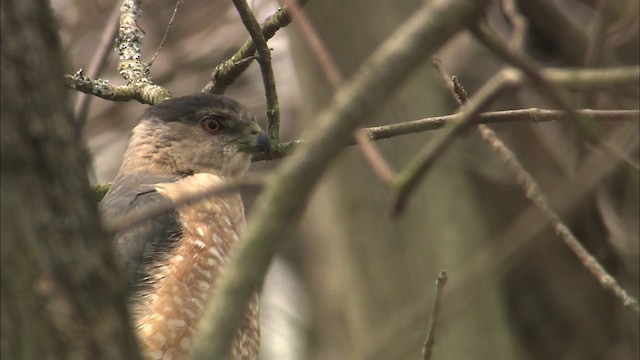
(212, 125)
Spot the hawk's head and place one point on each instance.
(195, 134)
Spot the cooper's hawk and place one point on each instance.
(182, 146)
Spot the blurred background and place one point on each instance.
(354, 283)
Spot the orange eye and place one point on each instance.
(212, 125)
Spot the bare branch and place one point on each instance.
(405, 183)
(532, 115)
(496, 260)
(264, 60)
(102, 88)
(528, 68)
(544, 88)
(129, 43)
(388, 67)
(430, 341)
(228, 71)
(315, 44)
(533, 192)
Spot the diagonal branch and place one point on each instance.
(315, 44)
(430, 341)
(406, 182)
(534, 192)
(422, 34)
(228, 71)
(543, 87)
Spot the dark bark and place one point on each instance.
(61, 295)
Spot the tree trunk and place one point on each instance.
(61, 295)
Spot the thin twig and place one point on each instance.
(229, 70)
(405, 183)
(493, 262)
(315, 44)
(524, 64)
(544, 88)
(430, 340)
(532, 115)
(388, 67)
(534, 192)
(376, 133)
(264, 60)
(98, 62)
(379, 165)
(166, 32)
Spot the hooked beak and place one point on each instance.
(255, 141)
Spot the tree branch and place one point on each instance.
(430, 341)
(543, 87)
(102, 88)
(377, 79)
(532, 115)
(129, 43)
(264, 60)
(534, 192)
(315, 44)
(405, 183)
(228, 71)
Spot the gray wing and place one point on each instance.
(141, 245)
